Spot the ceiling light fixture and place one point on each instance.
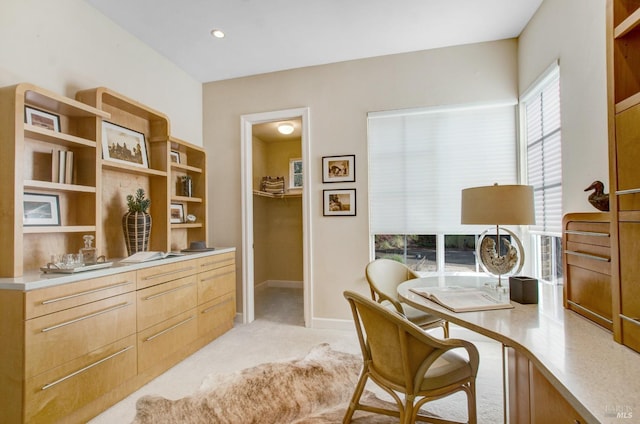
(218, 33)
(285, 129)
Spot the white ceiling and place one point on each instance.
(272, 35)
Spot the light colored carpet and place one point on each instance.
(278, 335)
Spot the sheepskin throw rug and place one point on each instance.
(312, 390)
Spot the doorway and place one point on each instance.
(249, 181)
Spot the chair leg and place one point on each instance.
(355, 399)
(445, 329)
(407, 417)
(471, 403)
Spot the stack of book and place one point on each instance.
(62, 166)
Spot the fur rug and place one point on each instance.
(312, 390)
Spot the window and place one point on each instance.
(419, 162)
(541, 140)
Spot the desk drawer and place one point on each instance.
(160, 341)
(157, 303)
(56, 393)
(159, 274)
(54, 339)
(53, 299)
(216, 261)
(215, 283)
(216, 317)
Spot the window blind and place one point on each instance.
(541, 117)
(420, 160)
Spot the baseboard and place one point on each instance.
(332, 324)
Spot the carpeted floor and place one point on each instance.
(278, 334)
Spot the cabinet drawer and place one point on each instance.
(54, 339)
(631, 332)
(215, 283)
(159, 274)
(162, 340)
(595, 233)
(589, 256)
(589, 294)
(216, 317)
(53, 299)
(157, 303)
(216, 261)
(54, 394)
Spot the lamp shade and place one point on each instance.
(498, 205)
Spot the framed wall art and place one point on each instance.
(42, 119)
(175, 156)
(339, 202)
(295, 173)
(339, 169)
(176, 212)
(122, 145)
(41, 210)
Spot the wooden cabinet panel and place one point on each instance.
(58, 298)
(628, 157)
(159, 302)
(215, 283)
(216, 261)
(592, 296)
(159, 274)
(547, 404)
(216, 317)
(52, 395)
(54, 339)
(629, 236)
(162, 340)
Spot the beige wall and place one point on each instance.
(67, 45)
(339, 97)
(573, 31)
(277, 223)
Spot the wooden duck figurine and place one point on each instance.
(599, 199)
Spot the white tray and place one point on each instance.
(82, 268)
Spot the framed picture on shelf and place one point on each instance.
(176, 212)
(42, 119)
(122, 145)
(339, 169)
(175, 156)
(295, 173)
(339, 202)
(41, 210)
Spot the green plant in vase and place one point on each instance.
(136, 223)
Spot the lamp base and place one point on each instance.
(500, 256)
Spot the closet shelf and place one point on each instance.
(286, 195)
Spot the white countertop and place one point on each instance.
(37, 280)
(596, 375)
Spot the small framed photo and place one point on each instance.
(295, 173)
(41, 210)
(175, 156)
(122, 145)
(339, 169)
(339, 202)
(177, 213)
(42, 119)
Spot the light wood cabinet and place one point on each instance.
(75, 349)
(587, 266)
(623, 47)
(28, 168)
(532, 397)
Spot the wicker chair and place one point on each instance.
(384, 276)
(409, 363)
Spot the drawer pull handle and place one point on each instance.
(164, 274)
(213, 277)
(73, 374)
(630, 191)
(153, 296)
(635, 321)
(587, 255)
(586, 233)
(82, 318)
(173, 327)
(211, 308)
(230, 261)
(71, 296)
(582, 308)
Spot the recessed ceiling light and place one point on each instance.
(218, 33)
(285, 129)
